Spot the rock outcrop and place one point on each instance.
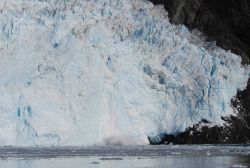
(225, 21)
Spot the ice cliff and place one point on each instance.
(86, 72)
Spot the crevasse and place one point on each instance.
(95, 72)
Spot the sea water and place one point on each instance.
(173, 156)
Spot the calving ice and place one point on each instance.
(80, 72)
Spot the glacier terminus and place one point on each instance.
(96, 72)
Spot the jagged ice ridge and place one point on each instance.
(95, 72)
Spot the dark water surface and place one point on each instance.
(184, 156)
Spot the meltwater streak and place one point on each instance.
(81, 72)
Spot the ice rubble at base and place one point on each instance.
(83, 72)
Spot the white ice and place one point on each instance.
(94, 72)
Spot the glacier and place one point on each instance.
(97, 72)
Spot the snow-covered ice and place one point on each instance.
(86, 72)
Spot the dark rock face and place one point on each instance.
(225, 21)
(228, 23)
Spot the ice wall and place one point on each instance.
(86, 72)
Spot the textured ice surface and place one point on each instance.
(84, 72)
